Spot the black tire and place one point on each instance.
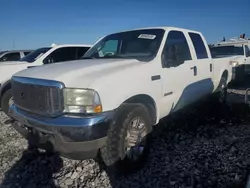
(221, 94)
(7, 95)
(113, 153)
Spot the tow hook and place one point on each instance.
(44, 138)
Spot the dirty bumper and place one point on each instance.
(71, 136)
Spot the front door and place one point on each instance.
(179, 72)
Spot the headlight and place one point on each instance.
(81, 101)
(234, 63)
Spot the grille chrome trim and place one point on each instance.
(36, 81)
(47, 95)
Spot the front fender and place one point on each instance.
(112, 98)
(3, 85)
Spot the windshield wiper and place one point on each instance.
(88, 58)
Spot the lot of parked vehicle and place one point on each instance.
(140, 102)
(118, 129)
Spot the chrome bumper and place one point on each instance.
(71, 136)
(238, 73)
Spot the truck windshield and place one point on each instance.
(130, 44)
(31, 57)
(226, 51)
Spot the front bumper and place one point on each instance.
(71, 136)
(238, 73)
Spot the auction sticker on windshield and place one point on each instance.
(146, 36)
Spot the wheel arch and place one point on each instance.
(148, 102)
(6, 86)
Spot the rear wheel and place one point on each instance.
(127, 143)
(6, 101)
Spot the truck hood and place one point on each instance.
(85, 71)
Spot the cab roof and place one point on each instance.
(164, 28)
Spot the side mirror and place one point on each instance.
(47, 61)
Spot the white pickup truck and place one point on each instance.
(109, 101)
(46, 55)
(239, 51)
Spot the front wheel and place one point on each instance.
(221, 94)
(6, 101)
(128, 142)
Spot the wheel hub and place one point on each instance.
(11, 101)
(135, 144)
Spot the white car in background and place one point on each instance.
(41, 56)
(239, 51)
(14, 55)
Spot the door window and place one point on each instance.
(11, 57)
(61, 54)
(176, 50)
(199, 46)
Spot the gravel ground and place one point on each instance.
(209, 147)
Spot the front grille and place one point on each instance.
(38, 96)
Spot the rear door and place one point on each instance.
(203, 61)
(179, 72)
